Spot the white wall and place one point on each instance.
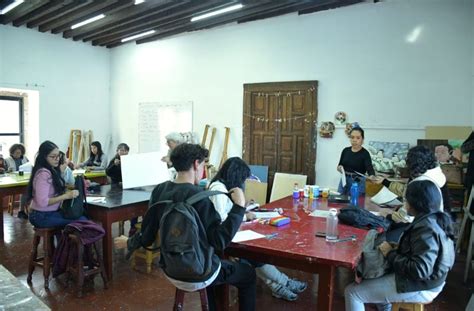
(72, 79)
(360, 56)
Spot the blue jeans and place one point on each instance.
(383, 291)
(349, 180)
(49, 219)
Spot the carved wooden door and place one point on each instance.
(279, 127)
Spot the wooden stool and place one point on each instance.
(412, 306)
(179, 300)
(11, 203)
(143, 253)
(47, 234)
(75, 266)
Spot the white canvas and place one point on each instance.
(143, 169)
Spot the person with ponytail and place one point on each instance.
(420, 262)
(47, 189)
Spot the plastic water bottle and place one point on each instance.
(296, 191)
(331, 226)
(355, 194)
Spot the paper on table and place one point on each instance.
(260, 215)
(375, 213)
(252, 206)
(95, 199)
(343, 177)
(383, 196)
(319, 213)
(79, 172)
(246, 235)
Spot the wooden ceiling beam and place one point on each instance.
(114, 7)
(22, 9)
(118, 18)
(151, 23)
(39, 12)
(328, 5)
(90, 7)
(58, 13)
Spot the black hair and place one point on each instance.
(184, 155)
(99, 150)
(419, 160)
(357, 128)
(62, 157)
(15, 147)
(124, 146)
(233, 173)
(42, 162)
(425, 198)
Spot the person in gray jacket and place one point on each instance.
(420, 262)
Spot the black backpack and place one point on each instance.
(362, 218)
(185, 251)
(75, 208)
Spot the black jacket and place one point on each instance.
(219, 235)
(424, 256)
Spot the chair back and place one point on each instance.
(283, 185)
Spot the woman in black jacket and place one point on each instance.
(420, 261)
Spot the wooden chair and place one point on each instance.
(467, 216)
(76, 268)
(11, 203)
(143, 253)
(179, 300)
(45, 262)
(283, 185)
(411, 306)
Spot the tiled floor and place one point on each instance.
(136, 290)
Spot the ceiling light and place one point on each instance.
(217, 12)
(138, 36)
(11, 6)
(87, 21)
(139, 1)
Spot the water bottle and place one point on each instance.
(355, 194)
(331, 226)
(296, 191)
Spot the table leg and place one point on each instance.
(107, 248)
(326, 288)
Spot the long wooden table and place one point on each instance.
(13, 184)
(295, 245)
(119, 205)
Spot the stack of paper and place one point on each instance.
(386, 197)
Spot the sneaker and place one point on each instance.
(22, 215)
(296, 286)
(284, 293)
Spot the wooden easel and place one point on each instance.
(226, 144)
(211, 143)
(75, 138)
(467, 216)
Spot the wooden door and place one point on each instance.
(279, 127)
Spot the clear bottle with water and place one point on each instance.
(331, 226)
(296, 191)
(355, 194)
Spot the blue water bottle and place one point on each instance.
(355, 194)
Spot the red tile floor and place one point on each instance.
(137, 290)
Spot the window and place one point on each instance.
(11, 123)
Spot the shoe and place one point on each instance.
(22, 215)
(284, 293)
(296, 286)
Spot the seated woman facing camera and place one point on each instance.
(420, 262)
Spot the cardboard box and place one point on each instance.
(256, 190)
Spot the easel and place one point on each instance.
(74, 145)
(211, 143)
(467, 215)
(226, 144)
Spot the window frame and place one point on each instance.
(21, 134)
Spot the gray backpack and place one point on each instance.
(185, 251)
(372, 263)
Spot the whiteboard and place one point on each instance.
(158, 119)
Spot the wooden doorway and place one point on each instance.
(279, 127)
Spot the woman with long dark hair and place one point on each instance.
(233, 174)
(47, 189)
(97, 158)
(422, 259)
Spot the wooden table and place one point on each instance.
(119, 205)
(296, 247)
(16, 296)
(12, 184)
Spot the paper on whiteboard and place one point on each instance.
(383, 196)
(246, 235)
(143, 169)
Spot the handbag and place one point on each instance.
(75, 208)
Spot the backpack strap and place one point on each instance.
(202, 195)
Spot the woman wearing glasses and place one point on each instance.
(47, 189)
